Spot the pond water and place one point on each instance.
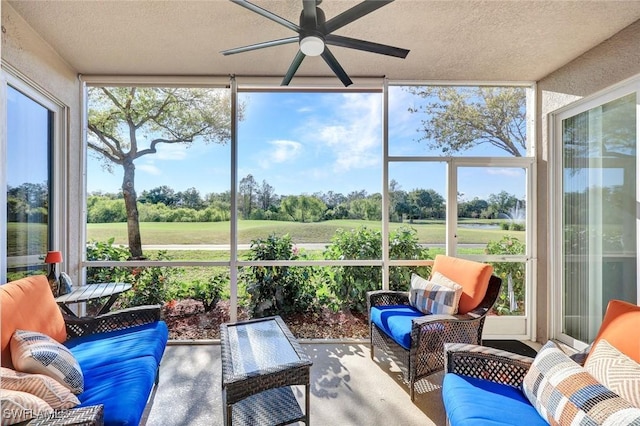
(479, 225)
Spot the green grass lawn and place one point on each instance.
(154, 233)
(22, 239)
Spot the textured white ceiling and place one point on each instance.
(449, 40)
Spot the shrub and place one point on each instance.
(208, 292)
(98, 250)
(276, 290)
(516, 270)
(403, 244)
(517, 226)
(351, 283)
(148, 283)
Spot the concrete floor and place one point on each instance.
(347, 388)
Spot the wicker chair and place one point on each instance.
(429, 333)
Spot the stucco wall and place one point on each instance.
(33, 59)
(613, 61)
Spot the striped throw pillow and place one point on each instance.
(438, 296)
(564, 393)
(44, 387)
(37, 353)
(20, 406)
(615, 370)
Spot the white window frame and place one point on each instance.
(14, 78)
(556, 253)
(503, 327)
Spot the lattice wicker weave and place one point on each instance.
(238, 388)
(118, 320)
(85, 416)
(486, 363)
(429, 333)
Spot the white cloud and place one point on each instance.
(149, 168)
(404, 122)
(283, 151)
(509, 172)
(177, 151)
(353, 133)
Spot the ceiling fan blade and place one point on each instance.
(336, 67)
(368, 46)
(262, 45)
(309, 15)
(269, 15)
(293, 68)
(356, 12)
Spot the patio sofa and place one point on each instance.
(598, 386)
(117, 355)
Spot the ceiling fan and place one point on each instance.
(314, 34)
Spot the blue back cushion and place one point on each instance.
(395, 321)
(471, 402)
(119, 369)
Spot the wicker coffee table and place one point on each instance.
(261, 360)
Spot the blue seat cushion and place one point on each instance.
(123, 388)
(470, 402)
(395, 322)
(119, 369)
(116, 346)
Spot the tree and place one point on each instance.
(460, 118)
(473, 208)
(303, 208)
(127, 123)
(437, 209)
(419, 201)
(290, 205)
(247, 191)
(161, 194)
(501, 204)
(266, 195)
(190, 198)
(397, 197)
(28, 200)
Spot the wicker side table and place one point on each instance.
(261, 360)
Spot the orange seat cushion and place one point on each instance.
(472, 276)
(28, 304)
(621, 328)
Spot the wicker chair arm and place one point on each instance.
(441, 318)
(117, 320)
(84, 416)
(486, 363)
(387, 297)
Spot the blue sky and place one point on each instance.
(27, 123)
(310, 142)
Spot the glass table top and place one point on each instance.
(257, 346)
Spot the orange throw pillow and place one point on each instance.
(621, 328)
(28, 304)
(472, 276)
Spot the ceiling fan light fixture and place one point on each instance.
(312, 46)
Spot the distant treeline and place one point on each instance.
(260, 202)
